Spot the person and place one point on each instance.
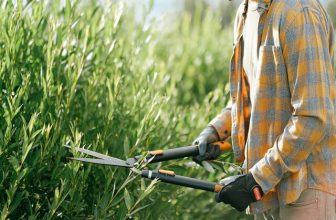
(283, 111)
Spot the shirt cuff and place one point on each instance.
(269, 170)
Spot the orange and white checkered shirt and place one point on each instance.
(284, 129)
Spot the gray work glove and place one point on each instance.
(207, 136)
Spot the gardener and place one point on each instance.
(283, 111)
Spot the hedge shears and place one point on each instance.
(166, 176)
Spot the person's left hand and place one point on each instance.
(212, 152)
(239, 191)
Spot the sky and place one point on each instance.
(167, 6)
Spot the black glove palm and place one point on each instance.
(240, 193)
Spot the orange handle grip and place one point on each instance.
(218, 188)
(167, 172)
(223, 145)
(156, 152)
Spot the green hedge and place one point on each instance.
(93, 76)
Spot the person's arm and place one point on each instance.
(308, 59)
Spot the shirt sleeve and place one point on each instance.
(307, 56)
(222, 123)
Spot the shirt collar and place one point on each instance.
(259, 4)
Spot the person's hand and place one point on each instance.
(206, 152)
(239, 191)
(212, 152)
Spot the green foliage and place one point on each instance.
(331, 10)
(92, 76)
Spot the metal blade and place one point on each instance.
(101, 156)
(119, 163)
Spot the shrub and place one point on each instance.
(87, 75)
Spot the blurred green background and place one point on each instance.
(118, 77)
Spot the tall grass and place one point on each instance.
(93, 76)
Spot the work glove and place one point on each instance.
(212, 152)
(207, 152)
(239, 191)
(219, 129)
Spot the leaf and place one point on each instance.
(22, 174)
(67, 9)
(2, 140)
(148, 190)
(114, 188)
(105, 200)
(143, 185)
(15, 163)
(126, 146)
(128, 199)
(32, 122)
(36, 133)
(118, 14)
(138, 209)
(57, 194)
(117, 200)
(217, 166)
(126, 182)
(151, 5)
(16, 202)
(25, 150)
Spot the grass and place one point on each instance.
(92, 76)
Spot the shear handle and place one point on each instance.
(181, 152)
(168, 177)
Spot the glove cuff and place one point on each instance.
(210, 132)
(254, 188)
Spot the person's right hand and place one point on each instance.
(208, 135)
(239, 191)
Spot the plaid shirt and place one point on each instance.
(285, 128)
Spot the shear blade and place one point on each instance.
(92, 153)
(111, 162)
